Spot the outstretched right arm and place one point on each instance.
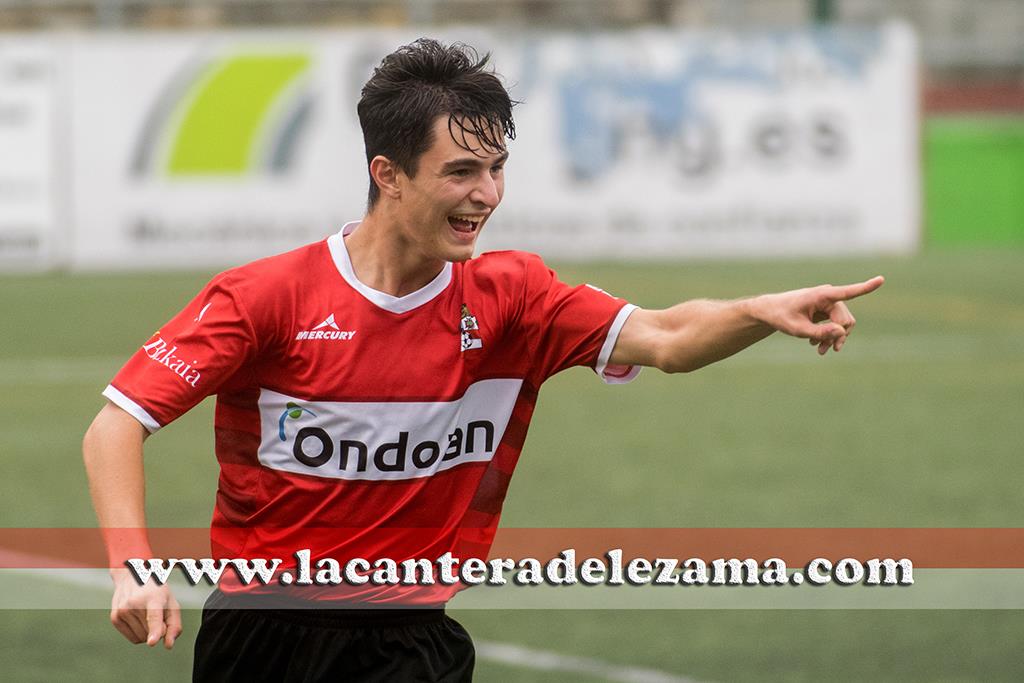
(112, 450)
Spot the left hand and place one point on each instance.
(818, 314)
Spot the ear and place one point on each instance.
(385, 174)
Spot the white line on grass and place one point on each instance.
(57, 370)
(508, 654)
(543, 660)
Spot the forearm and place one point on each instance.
(700, 332)
(695, 333)
(112, 452)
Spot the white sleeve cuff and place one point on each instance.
(616, 374)
(132, 408)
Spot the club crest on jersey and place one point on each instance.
(328, 329)
(470, 330)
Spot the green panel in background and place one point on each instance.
(218, 132)
(974, 180)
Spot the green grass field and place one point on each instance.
(917, 423)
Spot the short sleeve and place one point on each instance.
(568, 326)
(187, 359)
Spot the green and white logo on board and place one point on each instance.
(237, 114)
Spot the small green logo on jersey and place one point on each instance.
(294, 411)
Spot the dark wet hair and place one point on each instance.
(421, 81)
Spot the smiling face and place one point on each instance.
(442, 208)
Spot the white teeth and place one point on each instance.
(471, 219)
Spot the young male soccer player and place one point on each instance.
(381, 382)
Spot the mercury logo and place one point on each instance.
(328, 329)
(328, 322)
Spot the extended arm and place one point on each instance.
(112, 450)
(696, 333)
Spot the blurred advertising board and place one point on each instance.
(29, 183)
(200, 150)
(671, 145)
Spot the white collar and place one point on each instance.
(394, 304)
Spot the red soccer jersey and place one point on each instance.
(360, 424)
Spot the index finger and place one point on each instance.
(173, 623)
(155, 622)
(847, 292)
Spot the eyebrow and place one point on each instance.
(472, 162)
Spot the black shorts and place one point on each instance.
(291, 645)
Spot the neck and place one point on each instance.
(384, 260)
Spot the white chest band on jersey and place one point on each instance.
(384, 441)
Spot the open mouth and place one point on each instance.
(465, 224)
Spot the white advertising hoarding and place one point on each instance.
(201, 150)
(29, 183)
(665, 145)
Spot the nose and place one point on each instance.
(487, 191)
